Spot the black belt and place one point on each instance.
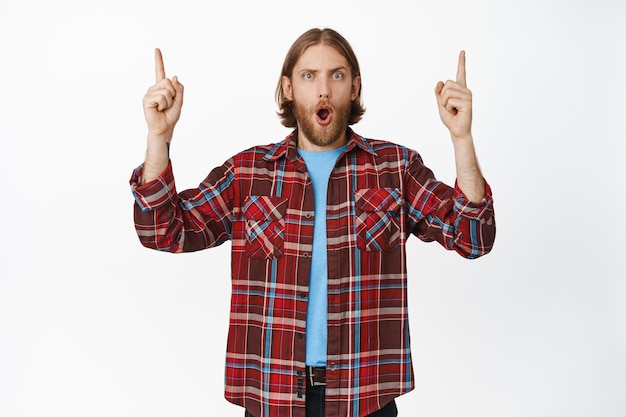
(316, 376)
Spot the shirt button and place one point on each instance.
(308, 215)
(302, 295)
(299, 335)
(306, 254)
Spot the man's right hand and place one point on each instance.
(161, 107)
(162, 102)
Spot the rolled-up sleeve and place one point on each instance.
(195, 219)
(444, 214)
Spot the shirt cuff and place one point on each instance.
(468, 208)
(156, 193)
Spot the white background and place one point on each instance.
(92, 324)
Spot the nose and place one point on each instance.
(324, 89)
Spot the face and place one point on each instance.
(322, 90)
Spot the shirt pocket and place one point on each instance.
(265, 226)
(378, 218)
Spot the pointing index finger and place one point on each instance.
(158, 64)
(460, 72)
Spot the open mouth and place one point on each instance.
(324, 116)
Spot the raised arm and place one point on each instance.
(161, 105)
(454, 101)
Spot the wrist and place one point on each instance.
(157, 158)
(159, 137)
(461, 139)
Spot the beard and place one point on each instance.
(322, 135)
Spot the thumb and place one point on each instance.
(438, 89)
(180, 90)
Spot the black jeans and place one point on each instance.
(315, 397)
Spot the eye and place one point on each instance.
(337, 76)
(307, 76)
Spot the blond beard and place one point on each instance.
(322, 135)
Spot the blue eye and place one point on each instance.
(337, 76)
(308, 76)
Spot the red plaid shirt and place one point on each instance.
(262, 201)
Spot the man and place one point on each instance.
(318, 225)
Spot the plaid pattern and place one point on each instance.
(261, 200)
(265, 226)
(377, 221)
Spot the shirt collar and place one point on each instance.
(288, 147)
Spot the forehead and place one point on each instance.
(321, 57)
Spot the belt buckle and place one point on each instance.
(312, 380)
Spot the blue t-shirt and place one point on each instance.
(319, 165)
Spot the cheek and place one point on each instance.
(344, 92)
(305, 97)
(303, 90)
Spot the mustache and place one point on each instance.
(323, 103)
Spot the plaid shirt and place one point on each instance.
(262, 201)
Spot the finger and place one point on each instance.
(180, 90)
(164, 84)
(451, 87)
(439, 87)
(163, 103)
(159, 100)
(439, 94)
(455, 105)
(460, 71)
(158, 64)
(459, 101)
(455, 89)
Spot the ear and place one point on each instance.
(356, 87)
(287, 87)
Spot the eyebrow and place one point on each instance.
(341, 68)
